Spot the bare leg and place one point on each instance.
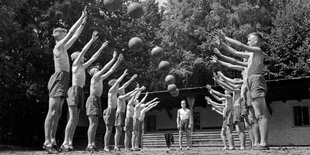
(107, 135)
(241, 133)
(59, 104)
(223, 136)
(74, 127)
(230, 137)
(73, 118)
(128, 136)
(133, 140)
(180, 138)
(187, 138)
(260, 108)
(254, 126)
(118, 133)
(52, 113)
(93, 121)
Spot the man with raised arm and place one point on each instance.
(120, 112)
(93, 103)
(256, 84)
(183, 123)
(226, 99)
(110, 112)
(129, 117)
(58, 84)
(136, 122)
(75, 98)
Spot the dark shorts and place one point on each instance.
(237, 115)
(249, 99)
(257, 86)
(228, 118)
(244, 108)
(58, 84)
(120, 119)
(128, 124)
(76, 97)
(136, 124)
(93, 106)
(109, 116)
(184, 124)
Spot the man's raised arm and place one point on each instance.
(86, 47)
(214, 59)
(125, 85)
(238, 43)
(230, 59)
(113, 68)
(96, 55)
(73, 28)
(76, 33)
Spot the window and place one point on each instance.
(301, 115)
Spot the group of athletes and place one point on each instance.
(242, 105)
(123, 117)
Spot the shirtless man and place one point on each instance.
(220, 108)
(75, 98)
(59, 82)
(120, 112)
(110, 112)
(93, 103)
(255, 82)
(183, 123)
(227, 100)
(129, 117)
(136, 120)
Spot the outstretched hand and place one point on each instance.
(134, 76)
(216, 51)
(208, 87)
(105, 44)
(120, 57)
(95, 35)
(84, 13)
(214, 59)
(221, 34)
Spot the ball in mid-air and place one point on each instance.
(113, 5)
(135, 10)
(169, 79)
(157, 52)
(164, 66)
(135, 43)
(175, 93)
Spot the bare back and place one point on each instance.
(61, 58)
(137, 111)
(78, 75)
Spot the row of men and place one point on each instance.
(243, 103)
(116, 114)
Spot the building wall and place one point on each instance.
(208, 118)
(281, 126)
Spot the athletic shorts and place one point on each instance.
(120, 119)
(184, 124)
(128, 124)
(244, 108)
(58, 84)
(249, 99)
(257, 86)
(136, 124)
(93, 106)
(109, 116)
(237, 115)
(228, 118)
(76, 97)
